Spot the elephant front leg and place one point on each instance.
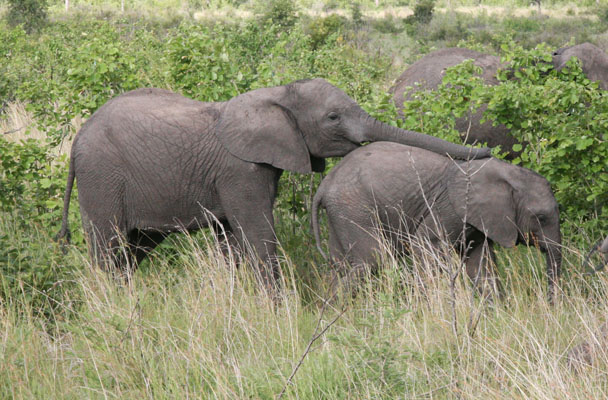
(249, 215)
(480, 266)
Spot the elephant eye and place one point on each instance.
(541, 218)
(333, 116)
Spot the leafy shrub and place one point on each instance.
(31, 181)
(563, 116)
(423, 12)
(355, 13)
(204, 63)
(30, 13)
(602, 13)
(321, 28)
(282, 13)
(388, 24)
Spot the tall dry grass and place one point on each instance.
(195, 326)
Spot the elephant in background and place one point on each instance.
(594, 61)
(427, 74)
(407, 193)
(151, 162)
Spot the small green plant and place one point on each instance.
(321, 28)
(423, 11)
(355, 14)
(388, 24)
(31, 13)
(279, 12)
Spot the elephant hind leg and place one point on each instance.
(354, 249)
(106, 242)
(140, 244)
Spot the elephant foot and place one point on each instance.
(587, 353)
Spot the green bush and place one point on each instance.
(388, 24)
(282, 13)
(321, 28)
(32, 14)
(423, 11)
(355, 13)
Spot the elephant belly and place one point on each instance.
(173, 209)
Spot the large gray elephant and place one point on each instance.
(405, 194)
(427, 74)
(151, 162)
(594, 62)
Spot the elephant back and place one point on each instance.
(594, 61)
(427, 73)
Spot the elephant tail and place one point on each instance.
(65, 228)
(316, 201)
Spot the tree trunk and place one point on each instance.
(67, 5)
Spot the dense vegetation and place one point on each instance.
(188, 325)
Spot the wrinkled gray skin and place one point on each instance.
(594, 61)
(149, 162)
(427, 73)
(496, 201)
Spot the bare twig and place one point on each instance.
(13, 131)
(315, 336)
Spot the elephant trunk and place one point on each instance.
(384, 132)
(554, 268)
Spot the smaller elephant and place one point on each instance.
(594, 61)
(405, 193)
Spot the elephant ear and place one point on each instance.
(255, 127)
(482, 196)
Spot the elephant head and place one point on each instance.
(294, 127)
(510, 205)
(594, 61)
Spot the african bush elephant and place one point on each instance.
(427, 74)
(594, 62)
(405, 194)
(151, 162)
